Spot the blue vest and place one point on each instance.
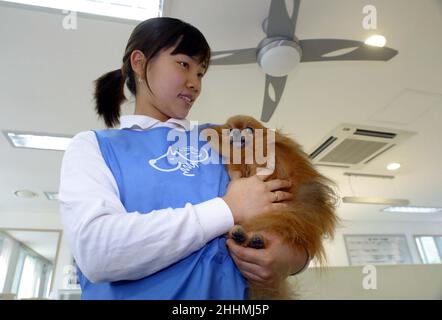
(154, 173)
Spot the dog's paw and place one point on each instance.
(238, 234)
(256, 242)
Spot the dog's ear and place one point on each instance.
(318, 197)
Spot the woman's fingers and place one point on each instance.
(277, 184)
(244, 254)
(252, 263)
(278, 196)
(245, 266)
(250, 271)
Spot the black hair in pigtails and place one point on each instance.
(109, 95)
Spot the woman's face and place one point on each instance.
(175, 81)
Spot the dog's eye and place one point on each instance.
(235, 134)
(248, 130)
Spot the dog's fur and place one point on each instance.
(311, 215)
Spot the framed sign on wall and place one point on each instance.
(377, 249)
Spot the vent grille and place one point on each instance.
(328, 142)
(353, 146)
(353, 151)
(370, 133)
(377, 155)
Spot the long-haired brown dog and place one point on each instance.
(311, 215)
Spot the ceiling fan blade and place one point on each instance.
(231, 57)
(295, 14)
(269, 106)
(314, 49)
(279, 23)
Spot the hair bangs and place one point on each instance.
(192, 43)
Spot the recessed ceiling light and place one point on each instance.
(410, 209)
(25, 194)
(376, 41)
(393, 166)
(38, 141)
(126, 9)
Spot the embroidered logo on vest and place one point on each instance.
(182, 158)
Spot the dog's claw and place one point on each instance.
(256, 242)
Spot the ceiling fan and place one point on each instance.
(281, 51)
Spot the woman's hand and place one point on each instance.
(252, 196)
(267, 267)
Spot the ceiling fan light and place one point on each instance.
(376, 41)
(279, 57)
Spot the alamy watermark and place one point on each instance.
(370, 281)
(370, 21)
(189, 150)
(70, 21)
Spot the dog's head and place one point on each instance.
(247, 145)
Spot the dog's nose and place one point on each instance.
(243, 141)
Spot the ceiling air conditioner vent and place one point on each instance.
(371, 133)
(353, 146)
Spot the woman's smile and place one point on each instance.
(187, 99)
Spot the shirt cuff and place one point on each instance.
(306, 265)
(215, 217)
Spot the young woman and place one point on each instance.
(140, 228)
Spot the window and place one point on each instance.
(22, 270)
(430, 248)
(31, 275)
(6, 249)
(28, 279)
(126, 9)
(3, 261)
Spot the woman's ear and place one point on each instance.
(138, 63)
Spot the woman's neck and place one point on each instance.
(150, 111)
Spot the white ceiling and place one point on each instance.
(47, 75)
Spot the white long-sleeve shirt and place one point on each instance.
(111, 244)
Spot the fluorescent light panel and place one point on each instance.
(36, 141)
(409, 209)
(374, 200)
(127, 9)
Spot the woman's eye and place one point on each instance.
(184, 64)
